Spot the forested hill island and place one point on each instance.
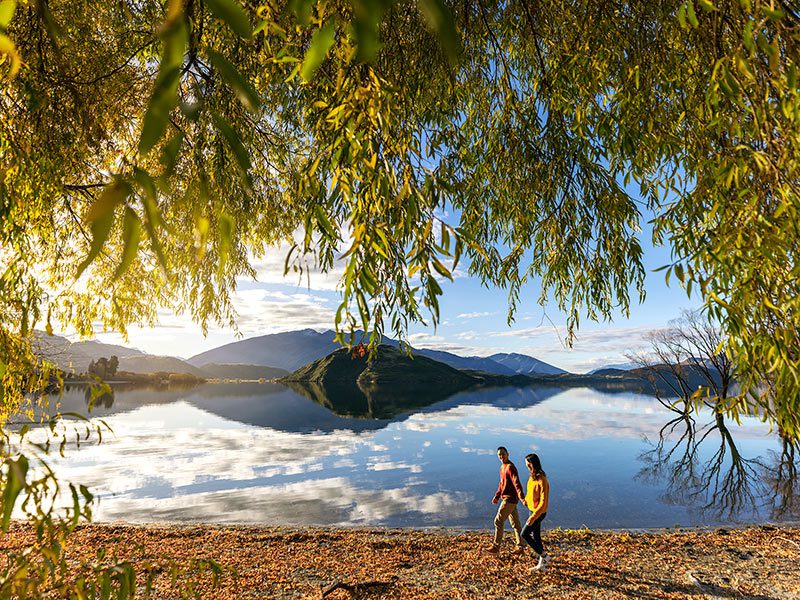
(309, 359)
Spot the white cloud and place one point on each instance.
(424, 337)
(469, 335)
(541, 330)
(269, 269)
(259, 312)
(476, 315)
(453, 348)
(262, 311)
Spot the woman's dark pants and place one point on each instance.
(532, 534)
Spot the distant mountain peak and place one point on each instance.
(525, 365)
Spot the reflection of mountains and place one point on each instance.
(261, 405)
(278, 407)
(350, 401)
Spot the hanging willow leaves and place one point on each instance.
(226, 228)
(131, 234)
(235, 144)
(16, 476)
(165, 91)
(101, 218)
(6, 12)
(366, 25)
(321, 42)
(232, 13)
(9, 54)
(367, 129)
(441, 22)
(244, 91)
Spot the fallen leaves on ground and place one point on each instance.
(268, 562)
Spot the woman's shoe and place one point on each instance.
(541, 565)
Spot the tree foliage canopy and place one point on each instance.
(149, 151)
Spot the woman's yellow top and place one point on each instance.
(537, 495)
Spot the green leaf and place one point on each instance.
(190, 110)
(101, 218)
(302, 10)
(232, 13)
(324, 223)
(244, 91)
(321, 42)
(773, 14)
(747, 38)
(339, 313)
(440, 20)
(706, 5)
(16, 478)
(163, 100)
(6, 12)
(441, 269)
(363, 307)
(53, 27)
(156, 245)
(8, 49)
(226, 227)
(682, 16)
(366, 26)
(165, 91)
(154, 219)
(445, 238)
(170, 152)
(131, 234)
(235, 144)
(690, 14)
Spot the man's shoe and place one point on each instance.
(493, 549)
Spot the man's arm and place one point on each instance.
(498, 492)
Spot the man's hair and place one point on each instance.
(503, 448)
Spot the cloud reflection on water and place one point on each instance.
(179, 461)
(570, 415)
(333, 501)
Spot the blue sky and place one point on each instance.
(473, 318)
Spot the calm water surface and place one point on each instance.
(262, 453)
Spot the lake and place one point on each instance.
(265, 454)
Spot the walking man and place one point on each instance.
(509, 493)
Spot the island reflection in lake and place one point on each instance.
(262, 453)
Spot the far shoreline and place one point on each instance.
(444, 529)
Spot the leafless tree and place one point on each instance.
(688, 368)
(687, 361)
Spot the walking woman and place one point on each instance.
(536, 499)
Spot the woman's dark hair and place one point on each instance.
(535, 463)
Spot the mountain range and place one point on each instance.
(266, 356)
(74, 357)
(292, 350)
